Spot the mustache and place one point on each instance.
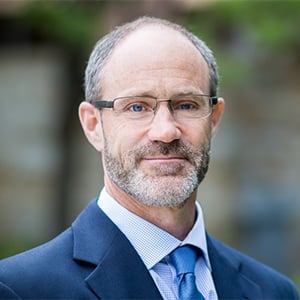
(176, 147)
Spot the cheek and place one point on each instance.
(121, 138)
(198, 133)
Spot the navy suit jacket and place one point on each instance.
(93, 259)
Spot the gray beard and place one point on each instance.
(171, 186)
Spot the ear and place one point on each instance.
(91, 123)
(216, 115)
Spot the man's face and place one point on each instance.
(159, 163)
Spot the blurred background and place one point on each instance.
(49, 172)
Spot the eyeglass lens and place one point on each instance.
(182, 107)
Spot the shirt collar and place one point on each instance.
(151, 242)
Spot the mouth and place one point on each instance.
(165, 159)
(171, 165)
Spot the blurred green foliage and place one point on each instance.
(68, 23)
(273, 23)
(241, 32)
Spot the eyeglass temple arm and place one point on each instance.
(102, 103)
(214, 100)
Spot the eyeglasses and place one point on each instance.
(143, 108)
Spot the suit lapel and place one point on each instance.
(119, 271)
(123, 273)
(229, 281)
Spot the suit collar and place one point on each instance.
(99, 242)
(227, 274)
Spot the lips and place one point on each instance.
(165, 158)
(170, 158)
(164, 165)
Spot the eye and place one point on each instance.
(136, 107)
(186, 106)
(183, 104)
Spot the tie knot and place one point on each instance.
(184, 259)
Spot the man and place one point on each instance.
(151, 109)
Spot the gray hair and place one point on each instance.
(105, 46)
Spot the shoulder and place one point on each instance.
(241, 261)
(223, 257)
(54, 254)
(58, 268)
(46, 255)
(34, 272)
(43, 254)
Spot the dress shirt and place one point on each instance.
(154, 246)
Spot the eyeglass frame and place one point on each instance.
(110, 103)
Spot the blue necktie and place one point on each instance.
(184, 260)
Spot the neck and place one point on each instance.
(177, 221)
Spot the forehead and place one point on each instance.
(154, 55)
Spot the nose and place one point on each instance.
(164, 127)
